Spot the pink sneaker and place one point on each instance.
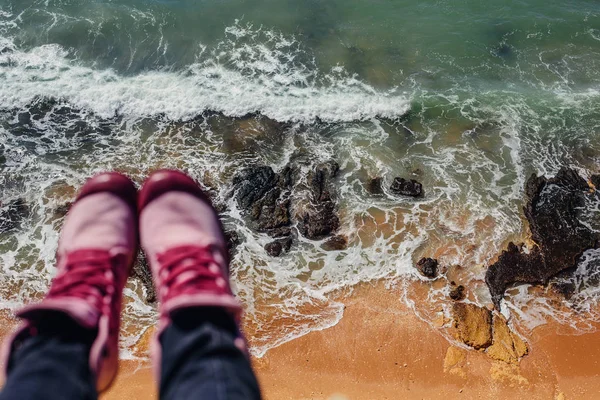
(95, 252)
(185, 246)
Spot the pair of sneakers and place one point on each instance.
(184, 243)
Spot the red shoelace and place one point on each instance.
(88, 275)
(190, 270)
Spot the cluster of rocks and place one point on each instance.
(555, 210)
(561, 228)
(275, 203)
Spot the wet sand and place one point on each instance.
(381, 350)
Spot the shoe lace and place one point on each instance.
(189, 270)
(88, 275)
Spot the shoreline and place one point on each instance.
(381, 350)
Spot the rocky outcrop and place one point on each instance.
(554, 211)
(279, 246)
(12, 214)
(261, 193)
(481, 329)
(318, 217)
(428, 267)
(507, 346)
(375, 186)
(405, 187)
(335, 243)
(266, 198)
(473, 325)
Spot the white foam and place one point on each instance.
(262, 75)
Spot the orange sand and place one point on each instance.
(381, 350)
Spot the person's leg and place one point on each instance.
(67, 346)
(200, 351)
(52, 364)
(201, 360)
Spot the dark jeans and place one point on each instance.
(200, 361)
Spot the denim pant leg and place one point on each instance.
(201, 361)
(52, 365)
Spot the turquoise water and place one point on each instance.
(469, 98)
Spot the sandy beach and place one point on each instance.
(381, 350)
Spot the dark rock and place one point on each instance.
(318, 218)
(337, 242)
(141, 271)
(274, 249)
(375, 186)
(278, 246)
(317, 222)
(260, 192)
(12, 214)
(283, 231)
(554, 210)
(2, 156)
(320, 180)
(62, 210)
(565, 289)
(266, 198)
(252, 184)
(458, 293)
(595, 179)
(233, 240)
(428, 267)
(406, 187)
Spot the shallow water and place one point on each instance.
(468, 99)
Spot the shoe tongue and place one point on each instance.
(81, 312)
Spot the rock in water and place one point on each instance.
(457, 293)
(428, 267)
(375, 186)
(406, 187)
(337, 242)
(278, 246)
(253, 183)
(318, 218)
(259, 191)
(554, 211)
(473, 324)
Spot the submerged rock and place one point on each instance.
(12, 214)
(279, 246)
(375, 186)
(473, 325)
(428, 267)
(457, 293)
(233, 240)
(554, 211)
(318, 217)
(406, 187)
(337, 242)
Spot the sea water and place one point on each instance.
(470, 98)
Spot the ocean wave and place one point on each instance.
(250, 71)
